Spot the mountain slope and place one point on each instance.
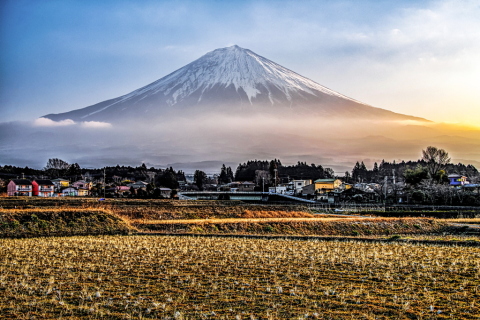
(230, 80)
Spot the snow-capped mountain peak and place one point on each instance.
(231, 80)
(237, 67)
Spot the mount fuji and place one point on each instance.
(229, 81)
(229, 106)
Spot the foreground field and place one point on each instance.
(150, 277)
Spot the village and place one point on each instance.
(400, 187)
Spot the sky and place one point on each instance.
(419, 58)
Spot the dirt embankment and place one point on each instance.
(59, 222)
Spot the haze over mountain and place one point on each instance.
(230, 81)
(230, 106)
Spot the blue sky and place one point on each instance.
(414, 57)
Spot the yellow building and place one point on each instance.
(60, 184)
(83, 192)
(327, 185)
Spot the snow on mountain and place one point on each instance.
(235, 66)
(230, 80)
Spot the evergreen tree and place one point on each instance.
(200, 179)
(230, 174)
(223, 177)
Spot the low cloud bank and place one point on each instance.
(207, 141)
(95, 124)
(45, 122)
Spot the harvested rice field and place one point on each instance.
(169, 277)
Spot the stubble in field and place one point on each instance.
(213, 278)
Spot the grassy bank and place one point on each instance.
(59, 222)
(309, 226)
(163, 209)
(439, 214)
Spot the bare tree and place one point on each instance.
(436, 159)
(56, 167)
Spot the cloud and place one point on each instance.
(45, 122)
(96, 124)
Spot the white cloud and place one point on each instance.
(45, 122)
(96, 124)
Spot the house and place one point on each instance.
(319, 188)
(242, 186)
(353, 195)
(165, 192)
(60, 183)
(457, 180)
(246, 186)
(122, 189)
(82, 184)
(138, 185)
(19, 187)
(297, 185)
(308, 190)
(70, 191)
(327, 185)
(278, 189)
(83, 192)
(43, 188)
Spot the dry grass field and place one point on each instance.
(167, 277)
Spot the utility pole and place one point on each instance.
(275, 172)
(104, 180)
(263, 184)
(394, 188)
(385, 188)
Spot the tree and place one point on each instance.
(56, 167)
(415, 176)
(226, 175)
(200, 178)
(262, 177)
(436, 159)
(329, 173)
(230, 176)
(273, 170)
(73, 170)
(359, 172)
(222, 178)
(56, 163)
(347, 177)
(167, 179)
